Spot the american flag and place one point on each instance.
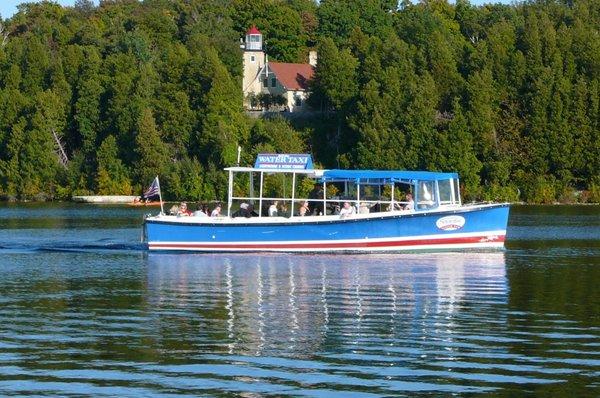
(153, 190)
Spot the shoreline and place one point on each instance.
(33, 201)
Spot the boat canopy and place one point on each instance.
(384, 176)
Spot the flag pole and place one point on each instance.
(160, 196)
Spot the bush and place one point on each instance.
(594, 191)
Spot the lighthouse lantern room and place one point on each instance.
(254, 39)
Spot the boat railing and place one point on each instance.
(328, 204)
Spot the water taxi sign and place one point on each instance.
(295, 161)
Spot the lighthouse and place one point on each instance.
(254, 62)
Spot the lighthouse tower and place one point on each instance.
(254, 61)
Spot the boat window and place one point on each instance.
(426, 195)
(456, 191)
(445, 187)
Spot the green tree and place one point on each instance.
(112, 176)
(152, 153)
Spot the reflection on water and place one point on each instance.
(86, 319)
(434, 322)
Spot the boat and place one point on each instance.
(380, 219)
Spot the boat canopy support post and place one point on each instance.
(324, 198)
(260, 200)
(392, 207)
(416, 196)
(293, 194)
(230, 193)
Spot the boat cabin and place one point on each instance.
(289, 180)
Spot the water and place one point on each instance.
(85, 311)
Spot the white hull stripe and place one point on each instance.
(492, 239)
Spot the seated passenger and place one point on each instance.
(216, 211)
(347, 210)
(183, 210)
(410, 203)
(273, 209)
(244, 211)
(364, 208)
(303, 210)
(202, 211)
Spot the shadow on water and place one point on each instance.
(86, 311)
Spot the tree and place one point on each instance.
(111, 178)
(459, 150)
(152, 154)
(335, 80)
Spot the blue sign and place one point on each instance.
(295, 161)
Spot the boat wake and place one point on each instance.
(73, 247)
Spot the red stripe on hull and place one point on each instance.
(333, 245)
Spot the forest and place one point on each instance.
(506, 95)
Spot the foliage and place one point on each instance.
(269, 101)
(507, 95)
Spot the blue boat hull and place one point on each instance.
(481, 226)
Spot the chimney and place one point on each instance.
(312, 58)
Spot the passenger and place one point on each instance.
(347, 210)
(205, 209)
(317, 193)
(183, 210)
(200, 212)
(216, 211)
(273, 212)
(410, 203)
(364, 208)
(244, 211)
(303, 210)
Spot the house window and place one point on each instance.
(297, 100)
(252, 58)
(273, 82)
(266, 82)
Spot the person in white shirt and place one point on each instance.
(347, 210)
(273, 209)
(410, 203)
(216, 212)
(303, 210)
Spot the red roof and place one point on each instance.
(253, 31)
(292, 76)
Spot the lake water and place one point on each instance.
(86, 311)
